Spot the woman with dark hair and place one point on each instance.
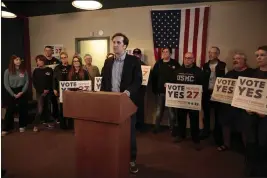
(76, 73)
(16, 83)
(42, 81)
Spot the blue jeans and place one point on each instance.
(133, 138)
(160, 111)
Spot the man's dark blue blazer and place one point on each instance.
(131, 79)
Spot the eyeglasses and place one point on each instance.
(189, 58)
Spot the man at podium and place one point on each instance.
(123, 74)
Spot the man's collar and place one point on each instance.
(49, 58)
(214, 61)
(122, 57)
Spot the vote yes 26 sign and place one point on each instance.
(183, 96)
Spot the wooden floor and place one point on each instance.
(50, 154)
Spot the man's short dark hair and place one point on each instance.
(169, 49)
(40, 57)
(264, 48)
(125, 38)
(50, 47)
(217, 48)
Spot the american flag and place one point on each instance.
(184, 30)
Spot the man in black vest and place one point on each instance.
(211, 70)
(140, 114)
(123, 74)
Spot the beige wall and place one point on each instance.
(233, 25)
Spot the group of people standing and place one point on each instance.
(251, 125)
(46, 83)
(122, 73)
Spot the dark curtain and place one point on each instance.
(14, 40)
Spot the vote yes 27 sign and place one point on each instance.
(145, 74)
(251, 94)
(183, 96)
(85, 85)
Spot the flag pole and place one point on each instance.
(164, 9)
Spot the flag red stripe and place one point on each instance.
(196, 26)
(186, 32)
(204, 36)
(177, 54)
(159, 53)
(156, 54)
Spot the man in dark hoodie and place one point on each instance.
(51, 60)
(161, 74)
(61, 74)
(189, 73)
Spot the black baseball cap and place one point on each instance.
(137, 51)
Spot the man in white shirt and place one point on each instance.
(212, 69)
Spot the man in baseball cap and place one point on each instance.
(137, 52)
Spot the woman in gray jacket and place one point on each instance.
(16, 83)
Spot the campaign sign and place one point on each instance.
(85, 85)
(145, 73)
(97, 83)
(223, 90)
(251, 94)
(183, 96)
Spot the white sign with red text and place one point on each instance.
(184, 96)
(84, 85)
(145, 74)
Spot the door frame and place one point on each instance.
(77, 40)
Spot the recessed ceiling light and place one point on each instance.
(5, 13)
(87, 5)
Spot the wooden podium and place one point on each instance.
(102, 132)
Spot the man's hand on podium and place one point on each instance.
(127, 93)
